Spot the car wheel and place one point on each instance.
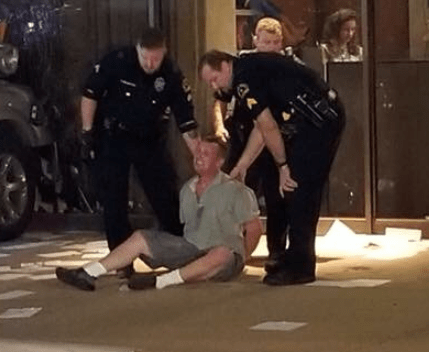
(17, 188)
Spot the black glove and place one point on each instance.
(87, 145)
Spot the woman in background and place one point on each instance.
(339, 38)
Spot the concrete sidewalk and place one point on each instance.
(342, 311)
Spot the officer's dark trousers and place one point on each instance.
(310, 155)
(116, 153)
(264, 174)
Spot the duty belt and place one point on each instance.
(113, 124)
(316, 110)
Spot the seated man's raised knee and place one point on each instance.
(220, 255)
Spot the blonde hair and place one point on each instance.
(270, 25)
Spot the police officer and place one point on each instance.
(262, 175)
(300, 120)
(123, 119)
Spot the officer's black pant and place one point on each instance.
(310, 154)
(116, 153)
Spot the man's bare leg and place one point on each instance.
(201, 269)
(207, 266)
(126, 252)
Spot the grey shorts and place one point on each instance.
(174, 252)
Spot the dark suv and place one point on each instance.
(23, 133)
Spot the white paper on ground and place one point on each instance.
(278, 326)
(59, 254)
(20, 313)
(404, 234)
(66, 263)
(7, 277)
(349, 283)
(15, 294)
(96, 250)
(261, 249)
(43, 277)
(76, 246)
(32, 267)
(253, 271)
(25, 246)
(102, 243)
(93, 256)
(27, 346)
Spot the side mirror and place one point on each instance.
(9, 56)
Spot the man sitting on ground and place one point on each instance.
(222, 228)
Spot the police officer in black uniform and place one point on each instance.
(300, 119)
(124, 121)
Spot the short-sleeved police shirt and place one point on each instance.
(137, 99)
(216, 219)
(270, 80)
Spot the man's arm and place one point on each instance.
(274, 142)
(218, 125)
(253, 148)
(252, 233)
(88, 107)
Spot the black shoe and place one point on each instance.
(275, 263)
(287, 277)
(272, 266)
(126, 272)
(142, 282)
(76, 277)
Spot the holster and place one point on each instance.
(316, 110)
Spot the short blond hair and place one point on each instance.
(270, 25)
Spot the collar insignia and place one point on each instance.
(251, 102)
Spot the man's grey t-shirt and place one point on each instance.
(216, 218)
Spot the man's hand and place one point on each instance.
(223, 134)
(87, 145)
(286, 182)
(192, 139)
(239, 173)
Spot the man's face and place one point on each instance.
(217, 79)
(206, 159)
(151, 59)
(268, 42)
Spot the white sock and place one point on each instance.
(95, 269)
(171, 278)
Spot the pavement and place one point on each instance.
(361, 302)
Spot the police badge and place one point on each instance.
(159, 84)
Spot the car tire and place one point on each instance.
(17, 187)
